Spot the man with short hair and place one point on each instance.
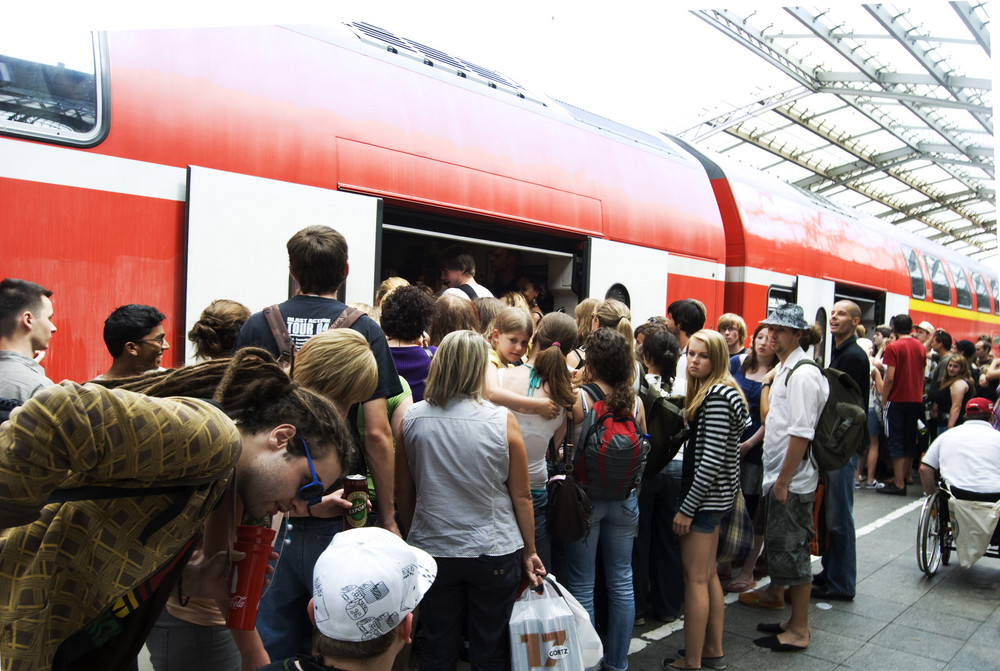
(25, 328)
(317, 260)
(923, 332)
(794, 405)
(458, 273)
(684, 318)
(984, 352)
(503, 265)
(135, 339)
(838, 578)
(366, 585)
(903, 391)
(941, 342)
(734, 330)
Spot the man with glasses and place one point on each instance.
(136, 340)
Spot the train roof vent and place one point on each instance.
(596, 120)
(386, 40)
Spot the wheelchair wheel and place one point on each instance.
(947, 535)
(929, 536)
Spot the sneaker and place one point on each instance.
(640, 621)
(857, 485)
(875, 485)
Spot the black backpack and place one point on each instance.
(843, 421)
(612, 451)
(665, 425)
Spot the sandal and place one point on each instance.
(753, 600)
(737, 586)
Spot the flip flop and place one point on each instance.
(753, 600)
(770, 628)
(737, 586)
(772, 643)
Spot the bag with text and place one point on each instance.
(543, 631)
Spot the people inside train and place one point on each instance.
(734, 330)
(947, 403)
(903, 391)
(684, 317)
(613, 522)
(461, 461)
(406, 319)
(503, 265)
(318, 261)
(135, 339)
(657, 573)
(534, 294)
(793, 404)
(838, 578)
(25, 330)
(101, 595)
(512, 330)
(749, 370)
(458, 274)
(515, 299)
(544, 375)
(718, 415)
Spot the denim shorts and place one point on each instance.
(874, 426)
(706, 521)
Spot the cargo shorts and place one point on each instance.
(787, 533)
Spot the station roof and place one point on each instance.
(887, 110)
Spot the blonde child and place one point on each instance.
(512, 329)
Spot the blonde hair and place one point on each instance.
(513, 320)
(339, 365)
(458, 368)
(732, 320)
(718, 356)
(389, 285)
(614, 314)
(373, 312)
(584, 314)
(516, 300)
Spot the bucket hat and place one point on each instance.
(788, 315)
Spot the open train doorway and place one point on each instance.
(507, 257)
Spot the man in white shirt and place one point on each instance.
(458, 273)
(967, 456)
(790, 476)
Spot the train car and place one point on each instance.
(171, 170)
(786, 244)
(174, 172)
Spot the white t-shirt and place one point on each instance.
(968, 457)
(794, 411)
(481, 291)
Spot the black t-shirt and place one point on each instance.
(850, 358)
(305, 316)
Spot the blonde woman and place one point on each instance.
(718, 414)
(584, 314)
(463, 492)
(340, 366)
(614, 314)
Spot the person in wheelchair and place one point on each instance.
(967, 459)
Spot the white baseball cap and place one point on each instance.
(365, 583)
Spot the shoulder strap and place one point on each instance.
(286, 346)
(799, 364)
(469, 291)
(593, 391)
(346, 319)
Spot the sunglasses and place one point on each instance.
(313, 491)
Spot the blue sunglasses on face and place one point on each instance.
(313, 491)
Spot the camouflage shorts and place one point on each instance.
(788, 531)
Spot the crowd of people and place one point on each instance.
(453, 406)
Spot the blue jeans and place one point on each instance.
(541, 502)
(840, 564)
(613, 526)
(282, 620)
(658, 578)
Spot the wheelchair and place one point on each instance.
(937, 531)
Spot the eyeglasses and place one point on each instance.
(313, 491)
(159, 340)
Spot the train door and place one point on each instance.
(816, 297)
(237, 227)
(615, 269)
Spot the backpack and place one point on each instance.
(665, 425)
(843, 422)
(613, 451)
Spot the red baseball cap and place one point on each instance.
(979, 405)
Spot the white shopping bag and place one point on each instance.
(974, 525)
(543, 631)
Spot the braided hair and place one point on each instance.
(257, 393)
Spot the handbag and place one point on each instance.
(735, 532)
(567, 515)
(550, 629)
(821, 535)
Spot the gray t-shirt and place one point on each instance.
(20, 377)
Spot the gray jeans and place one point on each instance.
(176, 645)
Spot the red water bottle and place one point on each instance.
(248, 575)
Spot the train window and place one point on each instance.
(996, 295)
(963, 292)
(778, 296)
(53, 85)
(940, 287)
(917, 286)
(982, 293)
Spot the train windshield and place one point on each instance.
(50, 85)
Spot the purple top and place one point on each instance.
(412, 363)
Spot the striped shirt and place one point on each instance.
(719, 423)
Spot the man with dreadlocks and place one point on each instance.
(104, 493)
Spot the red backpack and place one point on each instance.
(612, 451)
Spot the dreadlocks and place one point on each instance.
(256, 392)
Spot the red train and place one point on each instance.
(173, 171)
